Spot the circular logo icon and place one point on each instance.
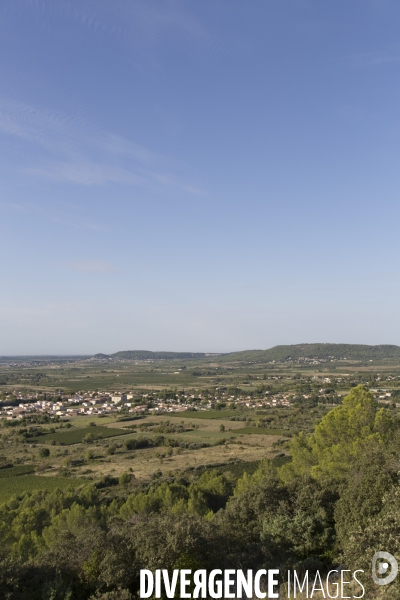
(382, 567)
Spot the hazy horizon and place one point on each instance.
(90, 354)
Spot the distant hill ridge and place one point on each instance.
(295, 352)
(320, 351)
(148, 354)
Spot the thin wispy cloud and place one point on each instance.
(134, 24)
(95, 267)
(377, 58)
(69, 148)
(56, 215)
(85, 173)
(139, 28)
(75, 151)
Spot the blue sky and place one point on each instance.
(198, 175)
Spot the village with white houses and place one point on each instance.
(18, 404)
(91, 403)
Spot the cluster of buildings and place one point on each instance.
(272, 401)
(104, 403)
(74, 406)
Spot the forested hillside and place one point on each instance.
(296, 352)
(357, 352)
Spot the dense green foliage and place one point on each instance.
(340, 436)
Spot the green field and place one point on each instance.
(6, 473)
(195, 435)
(28, 483)
(75, 436)
(260, 431)
(210, 414)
